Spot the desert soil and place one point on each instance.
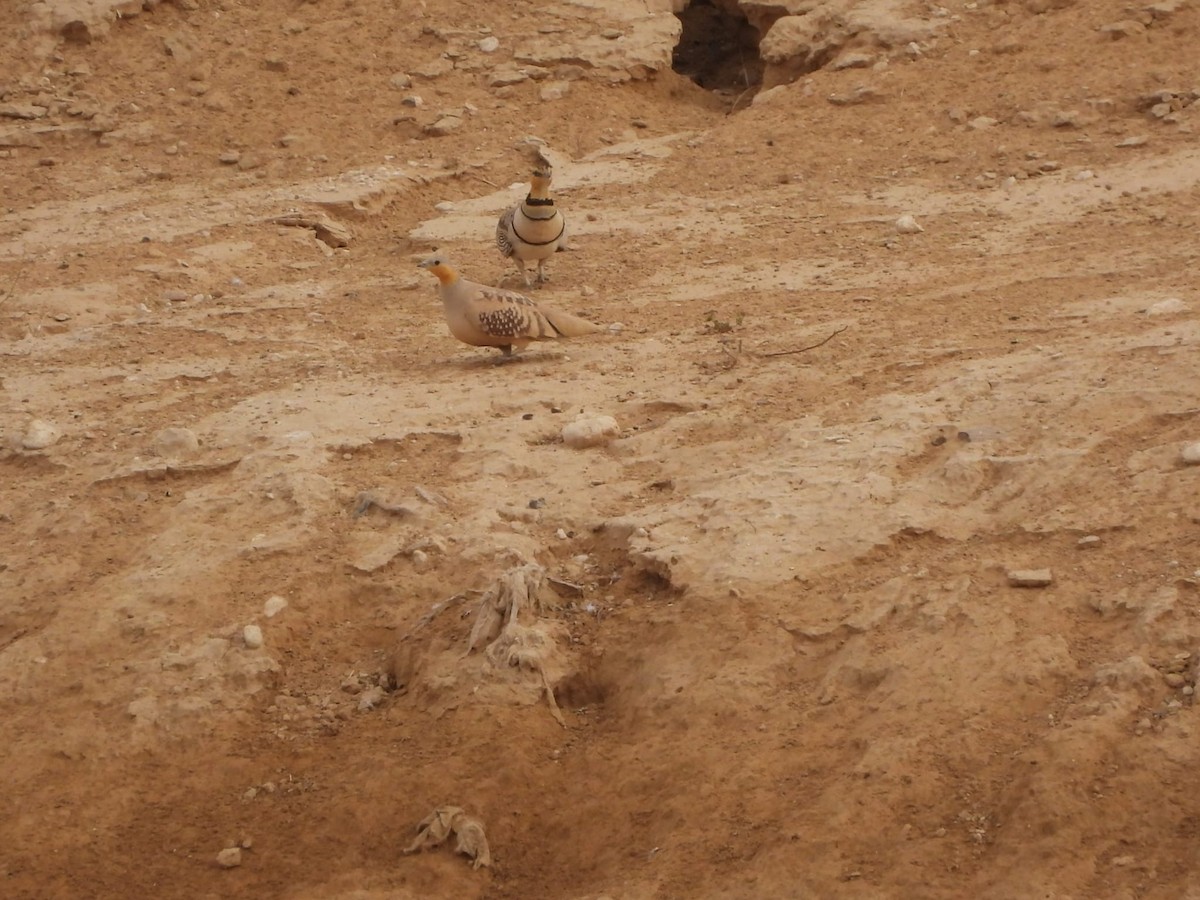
(783, 653)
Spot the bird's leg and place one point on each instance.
(541, 271)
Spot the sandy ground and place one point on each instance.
(783, 651)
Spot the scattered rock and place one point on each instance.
(229, 158)
(1134, 141)
(176, 442)
(489, 44)
(26, 111)
(862, 94)
(230, 858)
(1130, 673)
(1089, 542)
(553, 90)
(796, 44)
(1166, 8)
(906, 224)
(39, 435)
(505, 76)
(1124, 28)
(434, 69)
(371, 552)
(370, 698)
(444, 126)
(400, 81)
(1030, 577)
(328, 231)
(274, 606)
(979, 123)
(180, 45)
(144, 710)
(770, 94)
(590, 431)
(1174, 679)
(1190, 455)
(77, 32)
(432, 497)
(252, 637)
(853, 61)
(365, 500)
(1167, 307)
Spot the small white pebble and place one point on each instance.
(1030, 577)
(252, 636)
(274, 606)
(39, 435)
(590, 431)
(1167, 307)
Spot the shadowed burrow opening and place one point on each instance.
(718, 48)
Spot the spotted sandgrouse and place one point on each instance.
(483, 316)
(534, 229)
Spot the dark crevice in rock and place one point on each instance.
(718, 48)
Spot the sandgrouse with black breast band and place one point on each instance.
(534, 229)
(483, 316)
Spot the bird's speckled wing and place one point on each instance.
(505, 314)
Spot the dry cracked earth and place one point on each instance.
(887, 586)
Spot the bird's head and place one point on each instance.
(539, 181)
(441, 267)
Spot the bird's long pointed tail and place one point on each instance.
(568, 325)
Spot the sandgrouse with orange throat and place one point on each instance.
(483, 316)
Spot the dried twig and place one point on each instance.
(805, 349)
(12, 284)
(435, 611)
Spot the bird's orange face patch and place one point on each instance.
(444, 273)
(441, 269)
